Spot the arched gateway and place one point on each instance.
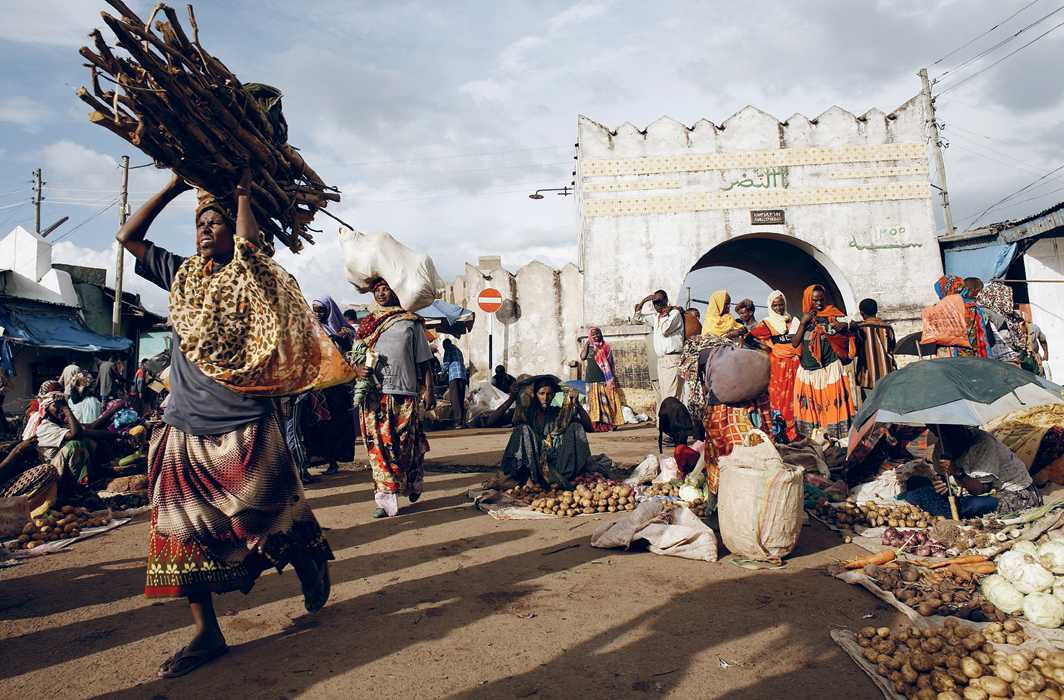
(778, 262)
(840, 199)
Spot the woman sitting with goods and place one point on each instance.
(549, 443)
(823, 394)
(391, 421)
(603, 392)
(776, 332)
(227, 503)
(980, 464)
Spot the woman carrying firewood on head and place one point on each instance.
(227, 502)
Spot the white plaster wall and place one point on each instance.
(625, 257)
(26, 253)
(1045, 261)
(543, 339)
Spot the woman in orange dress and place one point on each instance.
(823, 394)
(775, 332)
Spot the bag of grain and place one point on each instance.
(371, 256)
(737, 375)
(759, 500)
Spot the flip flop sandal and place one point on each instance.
(380, 513)
(413, 497)
(185, 661)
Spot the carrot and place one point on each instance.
(959, 573)
(881, 558)
(971, 559)
(986, 567)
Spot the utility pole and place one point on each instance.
(38, 195)
(116, 314)
(940, 164)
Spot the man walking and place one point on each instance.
(668, 325)
(457, 378)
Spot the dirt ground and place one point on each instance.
(445, 601)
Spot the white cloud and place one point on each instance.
(23, 111)
(63, 24)
(70, 253)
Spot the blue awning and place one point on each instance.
(53, 327)
(987, 262)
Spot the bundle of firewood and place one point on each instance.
(184, 109)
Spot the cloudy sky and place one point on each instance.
(437, 119)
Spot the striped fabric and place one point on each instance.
(874, 357)
(218, 498)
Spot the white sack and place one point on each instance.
(685, 536)
(411, 276)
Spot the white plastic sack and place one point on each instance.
(679, 534)
(411, 276)
(645, 471)
(884, 487)
(670, 470)
(484, 397)
(759, 501)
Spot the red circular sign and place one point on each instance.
(489, 300)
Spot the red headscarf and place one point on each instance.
(841, 343)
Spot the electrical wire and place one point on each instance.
(979, 72)
(972, 41)
(67, 234)
(972, 59)
(1010, 196)
(10, 206)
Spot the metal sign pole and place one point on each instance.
(491, 337)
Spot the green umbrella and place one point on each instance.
(955, 391)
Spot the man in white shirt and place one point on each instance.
(667, 323)
(70, 373)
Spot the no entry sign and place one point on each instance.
(490, 300)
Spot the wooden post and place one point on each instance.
(116, 312)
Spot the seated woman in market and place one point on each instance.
(548, 443)
(62, 440)
(981, 464)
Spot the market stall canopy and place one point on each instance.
(53, 327)
(954, 391)
(444, 317)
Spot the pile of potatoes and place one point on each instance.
(587, 498)
(59, 525)
(525, 492)
(938, 592)
(668, 488)
(848, 513)
(955, 662)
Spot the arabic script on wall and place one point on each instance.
(882, 238)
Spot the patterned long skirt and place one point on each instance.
(604, 406)
(224, 509)
(396, 444)
(781, 397)
(726, 425)
(823, 399)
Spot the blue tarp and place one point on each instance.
(45, 327)
(986, 262)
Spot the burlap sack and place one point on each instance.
(759, 500)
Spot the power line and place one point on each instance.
(71, 231)
(1019, 191)
(995, 47)
(972, 41)
(1011, 53)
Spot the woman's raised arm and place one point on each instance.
(131, 235)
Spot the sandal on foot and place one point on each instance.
(333, 469)
(187, 660)
(413, 497)
(380, 513)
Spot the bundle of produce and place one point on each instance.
(919, 542)
(185, 110)
(1030, 581)
(670, 489)
(956, 662)
(947, 588)
(524, 493)
(591, 495)
(849, 513)
(59, 525)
